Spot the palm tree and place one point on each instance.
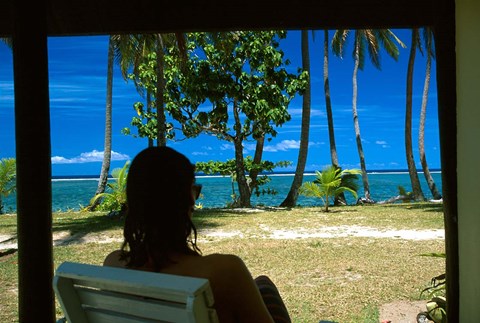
(107, 150)
(430, 52)
(7, 41)
(8, 172)
(328, 184)
(118, 45)
(116, 199)
(157, 43)
(412, 169)
(291, 199)
(328, 107)
(129, 51)
(328, 102)
(365, 40)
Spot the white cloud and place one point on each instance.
(199, 153)
(226, 147)
(283, 146)
(203, 151)
(382, 143)
(88, 157)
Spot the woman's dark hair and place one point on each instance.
(159, 202)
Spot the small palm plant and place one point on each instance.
(437, 305)
(8, 173)
(329, 183)
(115, 199)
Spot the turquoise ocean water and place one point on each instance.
(72, 194)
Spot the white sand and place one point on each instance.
(63, 238)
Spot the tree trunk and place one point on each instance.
(340, 198)
(366, 186)
(412, 170)
(161, 120)
(421, 133)
(107, 151)
(257, 159)
(149, 109)
(291, 199)
(328, 103)
(243, 188)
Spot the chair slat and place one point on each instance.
(134, 305)
(89, 293)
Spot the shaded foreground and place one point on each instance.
(345, 275)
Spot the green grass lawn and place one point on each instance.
(340, 279)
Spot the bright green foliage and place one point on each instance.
(228, 167)
(328, 184)
(115, 198)
(233, 85)
(8, 173)
(145, 78)
(437, 305)
(242, 71)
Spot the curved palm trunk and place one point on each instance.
(107, 152)
(366, 186)
(291, 199)
(412, 170)
(328, 103)
(421, 133)
(340, 199)
(243, 188)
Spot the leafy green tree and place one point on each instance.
(428, 41)
(242, 75)
(412, 169)
(8, 173)
(370, 40)
(114, 199)
(328, 184)
(228, 168)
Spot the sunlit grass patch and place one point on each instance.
(343, 279)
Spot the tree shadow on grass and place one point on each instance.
(82, 225)
(205, 218)
(426, 207)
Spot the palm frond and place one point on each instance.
(428, 39)
(338, 42)
(8, 173)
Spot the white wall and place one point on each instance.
(468, 155)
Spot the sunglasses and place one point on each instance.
(196, 189)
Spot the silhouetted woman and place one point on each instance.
(161, 237)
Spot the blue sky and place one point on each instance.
(77, 71)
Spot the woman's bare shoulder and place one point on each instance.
(224, 260)
(227, 266)
(113, 259)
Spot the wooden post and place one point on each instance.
(34, 194)
(447, 116)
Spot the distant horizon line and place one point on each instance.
(278, 173)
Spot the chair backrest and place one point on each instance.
(89, 293)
